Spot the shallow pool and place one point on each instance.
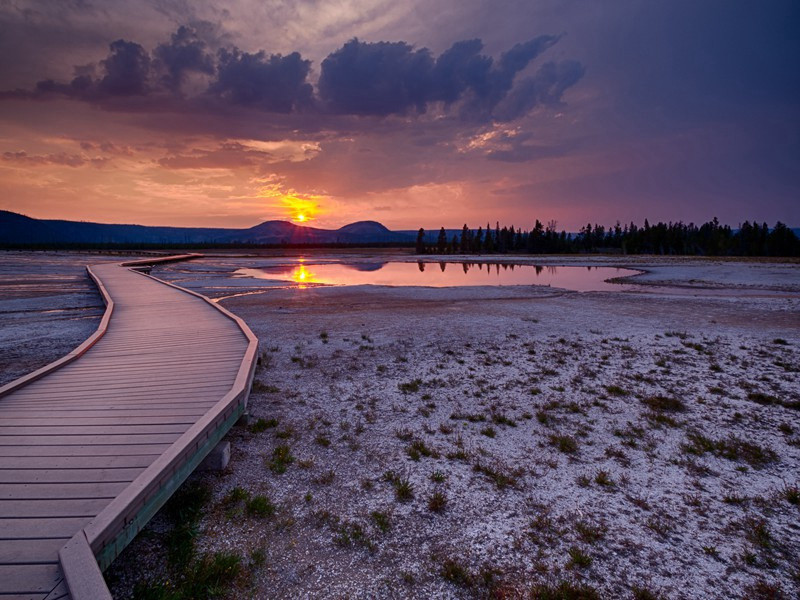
(441, 274)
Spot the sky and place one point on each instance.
(413, 113)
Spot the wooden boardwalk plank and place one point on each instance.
(59, 507)
(29, 579)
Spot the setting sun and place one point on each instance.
(300, 218)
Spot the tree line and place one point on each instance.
(708, 239)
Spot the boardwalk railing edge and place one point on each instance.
(93, 548)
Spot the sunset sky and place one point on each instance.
(411, 113)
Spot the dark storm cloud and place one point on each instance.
(272, 83)
(381, 78)
(185, 53)
(359, 79)
(385, 78)
(127, 70)
(546, 87)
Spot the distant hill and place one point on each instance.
(16, 230)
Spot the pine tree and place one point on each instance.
(421, 241)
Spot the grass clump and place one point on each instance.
(502, 478)
(281, 459)
(260, 506)
(456, 573)
(262, 425)
(410, 386)
(564, 590)
(731, 448)
(418, 449)
(664, 404)
(578, 559)
(489, 431)
(437, 502)
(615, 390)
(403, 488)
(381, 520)
(565, 443)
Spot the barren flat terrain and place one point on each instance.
(501, 441)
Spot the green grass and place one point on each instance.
(731, 448)
(578, 559)
(381, 520)
(615, 390)
(260, 506)
(410, 386)
(437, 502)
(281, 459)
(664, 404)
(262, 425)
(564, 590)
(565, 443)
(456, 573)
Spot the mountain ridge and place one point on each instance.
(18, 229)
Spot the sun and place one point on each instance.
(301, 218)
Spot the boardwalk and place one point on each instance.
(73, 441)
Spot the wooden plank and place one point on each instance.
(59, 507)
(40, 528)
(17, 463)
(133, 421)
(98, 450)
(16, 552)
(48, 491)
(69, 475)
(82, 429)
(40, 441)
(30, 579)
(145, 389)
(60, 592)
(179, 412)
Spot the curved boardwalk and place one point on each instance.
(90, 447)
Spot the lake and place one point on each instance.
(440, 274)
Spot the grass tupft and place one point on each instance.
(664, 404)
(281, 459)
(732, 448)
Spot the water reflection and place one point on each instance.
(469, 274)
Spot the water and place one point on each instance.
(441, 274)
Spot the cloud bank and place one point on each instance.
(376, 79)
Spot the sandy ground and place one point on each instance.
(645, 440)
